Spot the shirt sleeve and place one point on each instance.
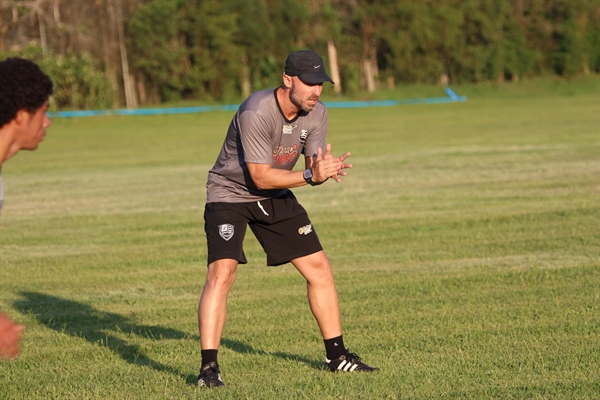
(255, 136)
(317, 136)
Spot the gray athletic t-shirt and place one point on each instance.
(259, 133)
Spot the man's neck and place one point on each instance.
(7, 142)
(290, 111)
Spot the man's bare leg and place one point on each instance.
(322, 294)
(212, 310)
(325, 306)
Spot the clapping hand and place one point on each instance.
(327, 166)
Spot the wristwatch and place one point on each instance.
(308, 177)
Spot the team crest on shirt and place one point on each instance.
(226, 231)
(303, 136)
(287, 129)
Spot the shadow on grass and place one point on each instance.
(244, 348)
(99, 328)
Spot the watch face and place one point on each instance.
(307, 173)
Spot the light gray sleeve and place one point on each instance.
(317, 137)
(255, 135)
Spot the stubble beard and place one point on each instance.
(297, 101)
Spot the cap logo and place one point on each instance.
(317, 66)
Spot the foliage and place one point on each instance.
(221, 50)
(414, 41)
(202, 50)
(78, 84)
(160, 49)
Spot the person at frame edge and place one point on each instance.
(249, 186)
(24, 94)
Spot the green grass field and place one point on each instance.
(465, 244)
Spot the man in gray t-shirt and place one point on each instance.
(261, 134)
(249, 186)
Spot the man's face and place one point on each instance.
(34, 128)
(304, 95)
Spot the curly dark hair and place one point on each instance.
(23, 85)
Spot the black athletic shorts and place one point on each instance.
(280, 224)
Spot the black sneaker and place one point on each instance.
(349, 362)
(209, 376)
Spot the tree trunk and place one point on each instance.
(333, 66)
(367, 62)
(500, 51)
(110, 59)
(59, 24)
(246, 87)
(391, 83)
(141, 89)
(43, 38)
(3, 29)
(369, 75)
(129, 98)
(374, 67)
(103, 13)
(134, 95)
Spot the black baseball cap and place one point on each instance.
(307, 66)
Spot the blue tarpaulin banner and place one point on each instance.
(452, 97)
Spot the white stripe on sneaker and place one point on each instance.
(354, 366)
(342, 364)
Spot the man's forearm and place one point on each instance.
(265, 177)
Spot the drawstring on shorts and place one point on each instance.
(261, 207)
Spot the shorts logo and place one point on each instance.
(226, 231)
(305, 230)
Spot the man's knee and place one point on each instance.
(221, 274)
(315, 268)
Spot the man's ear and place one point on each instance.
(22, 117)
(287, 81)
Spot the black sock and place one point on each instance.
(209, 356)
(334, 347)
